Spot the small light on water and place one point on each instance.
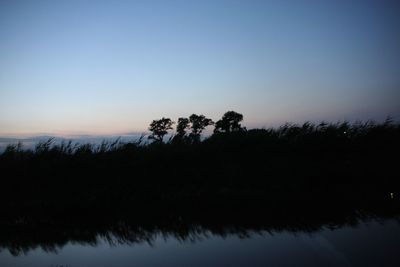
(391, 195)
(344, 132)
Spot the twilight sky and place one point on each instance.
(110, 67)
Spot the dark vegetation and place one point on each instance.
(307, 163)
(235, 182)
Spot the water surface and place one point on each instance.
(366, 243)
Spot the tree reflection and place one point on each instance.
(188, 222)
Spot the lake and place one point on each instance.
(371, 242)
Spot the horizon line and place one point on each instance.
(82, 134)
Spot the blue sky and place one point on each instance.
(110, 67)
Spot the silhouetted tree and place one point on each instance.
(159, 128)
(183, 124)
(181, 127)
(198, 123)
(229, 123)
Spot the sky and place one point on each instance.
(111, 67)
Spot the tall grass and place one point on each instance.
(291, 161)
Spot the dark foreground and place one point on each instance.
(301, 195)
(291, 162)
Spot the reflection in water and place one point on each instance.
(368, 244)
(295, 234)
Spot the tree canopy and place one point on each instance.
(183, 124)
(230, 122)
(159, 128)
(198, 123)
